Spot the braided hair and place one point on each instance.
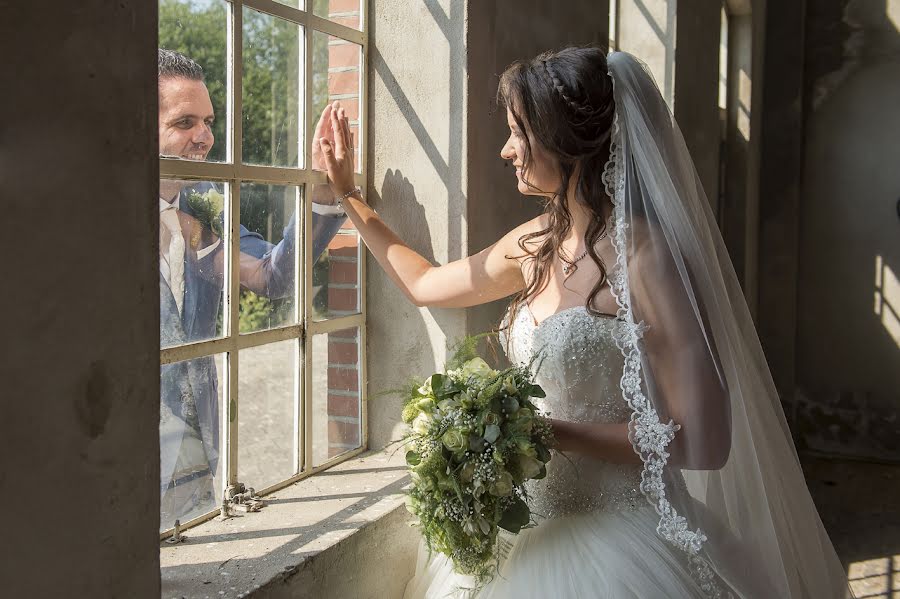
(566, 97)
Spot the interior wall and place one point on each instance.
(500, 32)
(417, 183)
(80, 362)
(848, 323)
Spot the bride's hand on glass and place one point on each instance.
(337, 150)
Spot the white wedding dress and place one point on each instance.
(596, 534)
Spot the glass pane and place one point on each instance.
(267, 434)
(336, 76)
(273, 89)
(336, 275)
(336, 399)
(189, 433)
(196, 29)
(292, 3)
(345, 12)
(191, 259)
(268, 225)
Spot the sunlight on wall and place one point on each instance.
(887, 299)
(744, 91)
(723, 60)
(877, 578)
(893, 12)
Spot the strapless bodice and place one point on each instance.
(575, 359)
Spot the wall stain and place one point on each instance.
(93, 406)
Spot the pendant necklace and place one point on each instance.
(567, 266)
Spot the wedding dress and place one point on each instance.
(596, 534)
(718, 506)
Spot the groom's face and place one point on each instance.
(185, 119)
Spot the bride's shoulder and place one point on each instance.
(528, 234)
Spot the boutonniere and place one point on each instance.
(207, 208)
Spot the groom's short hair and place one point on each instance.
(176, 64)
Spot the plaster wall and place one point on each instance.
(647, 29)
(80, 364)
(697, 89)
(500, 32)
(848, 346)
(417, 181)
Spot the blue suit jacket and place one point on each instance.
(190, 389)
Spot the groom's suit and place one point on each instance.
(189, 396)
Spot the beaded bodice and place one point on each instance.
(579, 366)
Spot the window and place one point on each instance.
(262, 303)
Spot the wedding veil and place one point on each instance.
(719, 464)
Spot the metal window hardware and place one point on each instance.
(241, 498)
(176, 537)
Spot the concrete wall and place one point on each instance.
(417, 182)
(437, 177)
(80, 365)
(848, 346)
(499, 32)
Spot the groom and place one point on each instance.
(191, 284)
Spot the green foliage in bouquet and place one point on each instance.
(475, 439)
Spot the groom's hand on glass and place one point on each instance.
(322, 194)
(337, 150)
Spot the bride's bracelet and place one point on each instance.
(340, 201)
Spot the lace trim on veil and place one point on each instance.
(649, 436)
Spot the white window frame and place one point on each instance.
(233, 172)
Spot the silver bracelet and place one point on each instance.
(340, 201)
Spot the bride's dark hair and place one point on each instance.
(566, 98)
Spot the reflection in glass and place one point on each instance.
(197, 29)
(267, 437)
(191, 259)
(336, 397)
(268, 251)
(272, 90)
(344, 12)
(336, 76)
(189, 407)
(336, 277)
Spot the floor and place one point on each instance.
(859, 503)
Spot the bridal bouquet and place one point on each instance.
(475, 439)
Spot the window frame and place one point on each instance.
(233, 173)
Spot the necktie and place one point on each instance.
(168, 218)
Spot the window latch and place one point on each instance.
(241, 498)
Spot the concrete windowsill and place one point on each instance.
(258, 554)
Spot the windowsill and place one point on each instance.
(240, 555)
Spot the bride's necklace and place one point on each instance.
(568, 266)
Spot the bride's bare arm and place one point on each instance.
(601, 441)
(489, 275)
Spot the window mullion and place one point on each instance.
(305, 397)
(233, 283)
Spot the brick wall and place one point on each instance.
(343, 274)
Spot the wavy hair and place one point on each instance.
(566, 98)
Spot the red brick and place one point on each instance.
(343, 406)
(344, 241)
(343, 432)
(347, 21)
(343, 55)
(343, 272)
(343, 6)
(343, 300)
(343, 82)
(343, 379)
(342, 353)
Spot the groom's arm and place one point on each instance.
(268, 269)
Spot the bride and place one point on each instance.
(681, 478)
